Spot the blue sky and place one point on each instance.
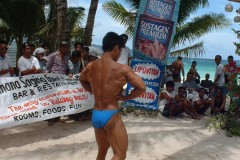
(216, 42)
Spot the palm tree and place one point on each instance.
(19, 19)
(63, 31)
(90, 22)
(185, 30)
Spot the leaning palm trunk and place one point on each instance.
(62, 27)
(90, 22)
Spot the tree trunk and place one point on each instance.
(62, 29)
(90, 23)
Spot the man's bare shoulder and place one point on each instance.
(125, 68)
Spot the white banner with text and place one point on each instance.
(39, 97)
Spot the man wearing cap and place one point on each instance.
(92, 56)
(58, 62)
(39, 54)
(6, 69)
(28, 64)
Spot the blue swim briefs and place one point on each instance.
(101, 117)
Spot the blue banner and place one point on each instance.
(151, 73)
(155, 29)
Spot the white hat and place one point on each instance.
(93, 53)
(38, 50)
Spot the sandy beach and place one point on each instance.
(149, 139)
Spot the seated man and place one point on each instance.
(168, 106)
(191, 86)
(207, 83)
(187, 104)
(201, 102)
(171, 106)
(218, 102)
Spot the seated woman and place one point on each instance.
(201, 102)
(187, 104)
(218, 105)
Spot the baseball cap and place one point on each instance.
(38, 50)
(93, 53)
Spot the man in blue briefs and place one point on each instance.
(105, 79)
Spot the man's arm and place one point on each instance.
(136, 82)
(4, 71)
(164, 95)
(84, 81)
(183, 74)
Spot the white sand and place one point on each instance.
(149, 139)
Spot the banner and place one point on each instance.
(151, 73)
(39, 97)
(155, 29)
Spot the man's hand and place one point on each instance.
(120, 97)
(11, 70)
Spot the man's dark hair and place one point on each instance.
(220, 57)
(110, 40)
(32, 45)
(194, 62)
(78, 43)
(170, 84)
(45, 45)
(230, 57)
(179, 57)
(86, 49)
(25, 44)
(3, 42)
(181, 87)
(124, 36)
(75, 54)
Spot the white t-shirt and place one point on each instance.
(220, 71)
(5, 64)
(24, 64)
(196, 97)
(125, 54)
(163, 102)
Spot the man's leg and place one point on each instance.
(117, 136)
(102, 141)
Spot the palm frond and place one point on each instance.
(195, 50)
(199, 26)
(116, 11)
(187, 7)
(133, 4)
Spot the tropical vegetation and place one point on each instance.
(40, 21)
(187, 30)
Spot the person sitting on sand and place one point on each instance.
(187, 104)
(218, 105)
(201, 102)
(191, 86)
(170, 106)
(207, 83)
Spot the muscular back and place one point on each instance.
(106, 78)
(177, 66)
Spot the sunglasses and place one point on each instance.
(4, 49)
